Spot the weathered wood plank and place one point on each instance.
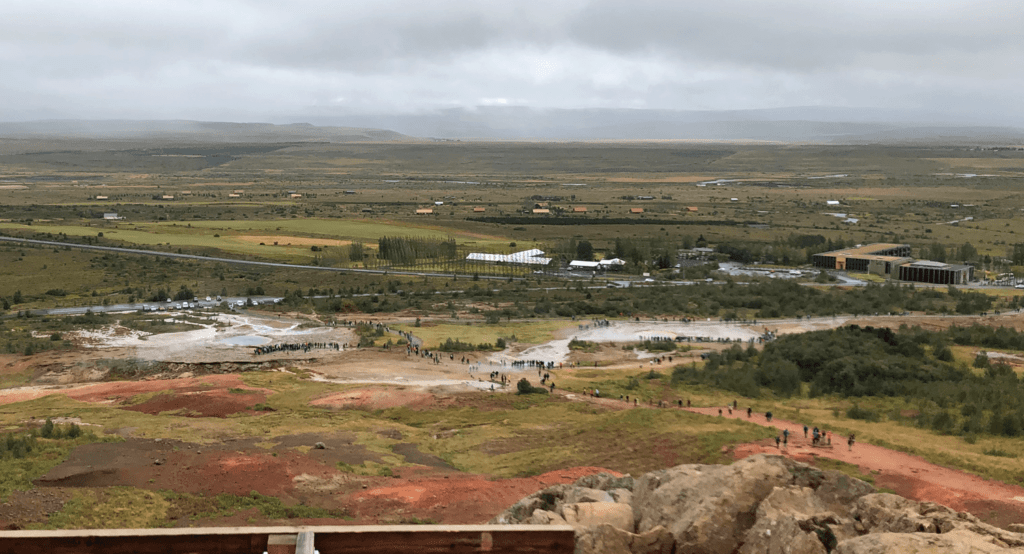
(429, 541)
(404, 539)
(304, 543)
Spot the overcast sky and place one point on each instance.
(262, 60)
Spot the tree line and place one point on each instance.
(952, 397)
(407, 250)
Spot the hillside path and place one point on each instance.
(910, 476)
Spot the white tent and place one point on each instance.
(526, 257)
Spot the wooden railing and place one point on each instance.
(375, 539)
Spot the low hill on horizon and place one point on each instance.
(822, 125)
(192, 131)
(817, 125)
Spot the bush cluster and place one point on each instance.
(524, 387)
(862, 362)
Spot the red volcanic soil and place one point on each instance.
(122, 390)
(452, 498)
(207, 396)
(208, 403)
(907, 475)
(377, 398)
(238, 467)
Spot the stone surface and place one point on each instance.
(605, 539)
(575, 495)
(622, 496)
(544, 517)
(653, 541)
(837, 491)
(959, 541)
(550, 499)
(605, 482)
(889, 513)
(782, 535)
(791, 520)
(592, 514)
(760, 505)
(800, 502)
(708, 509)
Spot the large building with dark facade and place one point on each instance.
(923, 271)
(893, 261)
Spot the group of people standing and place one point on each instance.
(819, 437)
(296, 346)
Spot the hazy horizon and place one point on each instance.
(254, 61)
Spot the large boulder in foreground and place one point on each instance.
(602, 487)
(957, 541)
(760, 505)
(883, 513)
(709, 509)
(592, 514)
(605, 539)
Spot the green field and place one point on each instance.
(367, 231)
(478, 332)
(243, 237)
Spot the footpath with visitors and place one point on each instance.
(905, 474)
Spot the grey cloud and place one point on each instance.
(196, 58)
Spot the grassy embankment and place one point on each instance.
(500, 435)
(284, 240)
(478, 332)
(989, 456)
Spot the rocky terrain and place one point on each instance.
(762, 504)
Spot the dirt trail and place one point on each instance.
(908, 475)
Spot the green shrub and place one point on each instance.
(856, 412)
(524, 387)
(999, 453)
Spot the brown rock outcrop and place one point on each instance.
(762, 504)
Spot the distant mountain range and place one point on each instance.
(788, 125)
(810, 124)
(191, 131)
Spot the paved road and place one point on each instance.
(232, 301)
(244, 262)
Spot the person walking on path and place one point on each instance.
(805, 431)
(749, 412)
(768, 416)
(777, 441)
(849, 442)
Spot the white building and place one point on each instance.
(603, 265)
(589, 266)
(526, 257)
